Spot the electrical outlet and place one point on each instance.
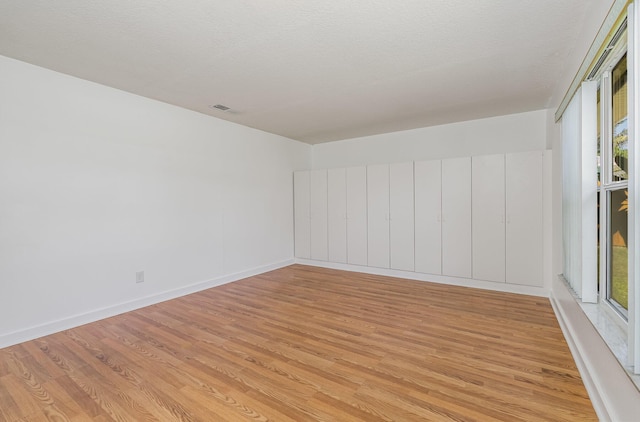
(139, 276)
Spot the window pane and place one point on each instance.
(620, 153)
(618, 253)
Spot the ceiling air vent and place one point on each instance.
(220, 107)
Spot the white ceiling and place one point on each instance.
(315, 71)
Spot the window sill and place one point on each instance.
(612, 334)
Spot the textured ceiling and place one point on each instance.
(314, 71)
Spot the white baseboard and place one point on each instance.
(613, 395)
(455, 281)
(98, 314)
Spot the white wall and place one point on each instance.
(511, 133)
(96, 184)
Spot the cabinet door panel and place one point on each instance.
(378, 215)
(302, 227)
(428, 230)
(401, 209)
(337, 214)
(456, 217)
(488, 217)
(357, 215)
(524, 218)
(319, 238)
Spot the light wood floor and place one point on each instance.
(305, 344)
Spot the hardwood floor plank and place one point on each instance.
(22, 397)
(9, 409)
(347, 405)
(305, 344)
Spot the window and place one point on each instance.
(617, 278)
(613, 185)
(619, 153)
(600, 186)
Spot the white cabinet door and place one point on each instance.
(302, 227)
(357, 215)
(401, 230)
(337, 214)
(428, 233)
(319, 226)
(378, 215)
(524, 218)
(456, 217)
(488, 217)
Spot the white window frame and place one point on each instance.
(607, 185)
